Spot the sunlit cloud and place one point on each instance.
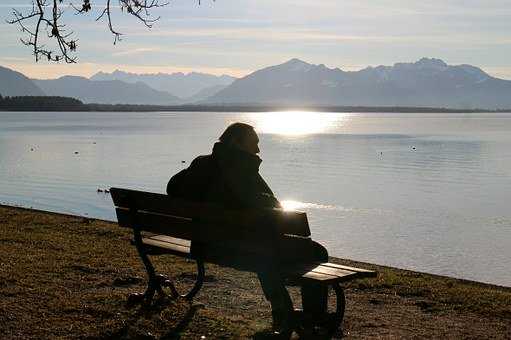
(503, 72)
(267, 34)
(133, 51)
(305, 36)
(49, 71)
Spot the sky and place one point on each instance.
(237, 37)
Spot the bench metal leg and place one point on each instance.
(196, 287)
(154, 284)
(341, 306)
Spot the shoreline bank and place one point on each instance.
(335, 259)
(69, 276)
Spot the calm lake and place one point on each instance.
(427, 192)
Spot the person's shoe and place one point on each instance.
(325, 326)
(283, 321)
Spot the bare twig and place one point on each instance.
(54, 29)
(140, 9)
(47, 15)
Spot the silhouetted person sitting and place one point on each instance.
(230, 177)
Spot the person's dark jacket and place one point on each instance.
(229, 177)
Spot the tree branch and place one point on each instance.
(54, 29)
(47, 15)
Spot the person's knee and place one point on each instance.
(319, 252)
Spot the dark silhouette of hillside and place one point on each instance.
(39, 103)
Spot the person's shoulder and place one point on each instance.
(202, 161)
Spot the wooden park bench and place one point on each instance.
(248, 240)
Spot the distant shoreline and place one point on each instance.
(278, 108)
(235, 108)
(62, 104)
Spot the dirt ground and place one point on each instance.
(68, 277)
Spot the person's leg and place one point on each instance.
(315, 295)
(319, 253)
(276, 293)
(314, 298)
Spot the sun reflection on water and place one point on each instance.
(292, 205)
(293, 123)
(289, 205)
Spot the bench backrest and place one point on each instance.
(219, 234)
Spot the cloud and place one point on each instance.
(49, 71)
(318, 36)
(134, 51)
(502, 72)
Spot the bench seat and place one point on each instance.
(322, 272)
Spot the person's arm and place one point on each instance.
(251, 191)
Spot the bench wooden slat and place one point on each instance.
(172, 247)
(362, 272)
(324, 272)
(161, 224)
(160, 203)
(322, 278)
(292, 222)
(284, 222)
(327, 270)
(169, 239)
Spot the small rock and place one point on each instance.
(76, 152)
(127, 281)
(375, 302)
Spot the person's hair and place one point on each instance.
(235, 132)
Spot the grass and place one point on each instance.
(443, 293)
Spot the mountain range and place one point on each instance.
(14, 83)
(427, 82)
(105, 92)
(179, 84)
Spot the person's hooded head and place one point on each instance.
(241, 136)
